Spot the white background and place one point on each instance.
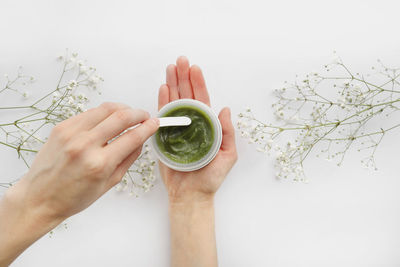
(345, 216)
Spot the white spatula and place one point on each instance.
(175, 121)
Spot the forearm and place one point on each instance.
(20, 224)
(193, 234)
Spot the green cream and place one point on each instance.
(186, 144)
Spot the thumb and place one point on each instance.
(228, 131)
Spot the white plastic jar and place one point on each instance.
(217, 134)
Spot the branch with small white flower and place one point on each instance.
(327, 114)
(26, 133)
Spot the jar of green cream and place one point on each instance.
(188, 148)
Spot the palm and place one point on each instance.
(184, 81)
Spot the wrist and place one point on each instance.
(191, 203)
(192, 232)
(191, 208)
(30, 217)
(191, 199)
(21, 223)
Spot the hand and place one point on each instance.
(184, 81)
(191, 194)
(74, 168)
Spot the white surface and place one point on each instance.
(346, 216)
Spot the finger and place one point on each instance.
(163, 96)
(184, 85)
(228, 131)
(118, 122)
(89, 119)
(123, 167)
(124, 145)
(172, 82)
(199, 85)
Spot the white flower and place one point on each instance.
(81, 96)
(71, 100)
(72, 83)
(245, 134)
(336, 59)
(83, 69)
(80, 107)
(26, 94)
(261, 149)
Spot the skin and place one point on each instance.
(191, 194)
(72, 170)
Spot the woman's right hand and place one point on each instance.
(75, 167)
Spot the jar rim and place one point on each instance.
(192, 166)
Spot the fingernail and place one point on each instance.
(156, 121)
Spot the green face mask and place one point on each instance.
(186, 144)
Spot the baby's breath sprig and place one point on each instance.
(327, 113)
(24, 129)
(140, 177)
(27, 125)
